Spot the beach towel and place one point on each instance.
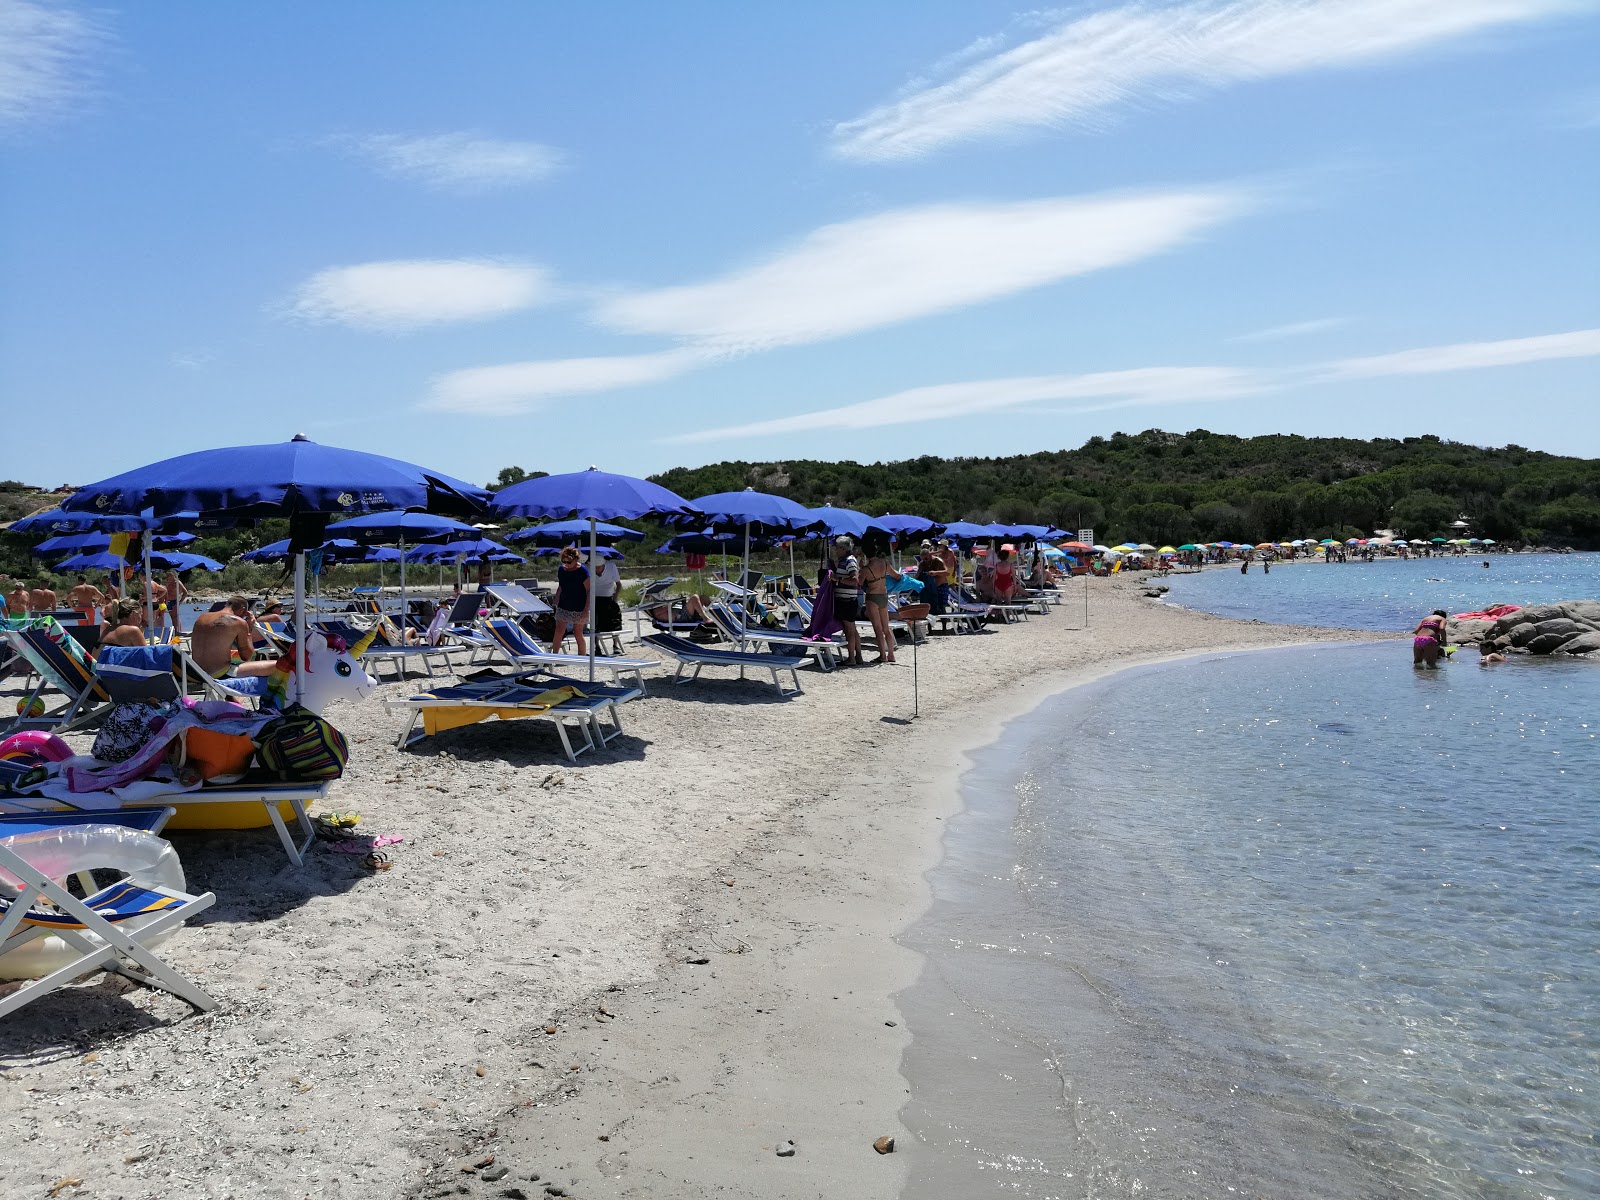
(435, 720)
(823, 623)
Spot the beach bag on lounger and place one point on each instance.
(301, 747)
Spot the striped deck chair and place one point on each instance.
(524, 654)
(60, 663)
(108, 929)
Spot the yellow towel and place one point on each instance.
(434, 720)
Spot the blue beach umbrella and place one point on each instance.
(967, 531)
(71, 543)
(593, 496)
(431, 552)
(167, 541)
(57, 520)
(757, 514)
(564, 533)
(99, 560)
(298, 479)
(908, 525)
(183, 562)
(555, 552)
(838, 521)
(399, 526)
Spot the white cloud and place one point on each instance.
(462, 162)
(518, 387)
(862, 274)
(1153, 385)
(402, 295)
(1089, 67)
(1468, 356)
(1148, 385)
(43, 49)
(1297, 329)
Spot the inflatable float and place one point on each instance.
(61, 853)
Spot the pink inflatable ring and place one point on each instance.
(34, 746)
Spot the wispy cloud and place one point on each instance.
(458, 162)
(517, 387)
(879, 270)
(1297, 329)
(1148, 385)
(1085, 70)
(44, 58)
(860, 275)
(393, 297)
(1468, 356)
(1152, 385)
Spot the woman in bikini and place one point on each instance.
(875, 575)
(1427, 639)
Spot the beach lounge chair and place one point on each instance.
(384, 647)
(512, 643)
(131, 674)
(252, 803)
(689, 654)
(824, 653)
(567, 704)
(96, 927)
(59, 663)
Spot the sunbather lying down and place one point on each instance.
(691, 608)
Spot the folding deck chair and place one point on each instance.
(728, 624)
(566, 703)
(383, 649)
(44, 645)
(512, 642)
(97, 926)
(690, 654)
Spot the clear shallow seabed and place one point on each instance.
(1301, 923)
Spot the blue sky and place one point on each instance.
(647, 235)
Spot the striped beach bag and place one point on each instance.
(301, 747)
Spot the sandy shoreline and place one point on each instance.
(376, 1031)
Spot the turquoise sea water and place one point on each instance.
(1302, 923)
(1388, 594)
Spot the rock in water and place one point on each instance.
(884, 1145)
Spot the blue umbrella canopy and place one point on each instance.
(592, 494)
(706, 542)
(72, 543)
(908, 525)
(169, 540)
(100, 560)
(563, 533)
(835, 521)
(284, 479)
(966, 531)
(56, 520)
(448, 551)
(775, 514)
(178, 561)
(396, 525)
(555, 551)
(336, 549)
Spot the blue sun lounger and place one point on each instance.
(512, 697)
(691, 654)
(729, 625)
(98, 927)
(524, 654)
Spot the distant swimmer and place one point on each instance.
(1427, 639)
(1431, 579)
(1486, 562)
(1488, 656)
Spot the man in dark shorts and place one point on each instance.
(847, 597)
(216, 635)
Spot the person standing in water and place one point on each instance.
(1427, 639)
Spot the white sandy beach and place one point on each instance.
(379, 1032)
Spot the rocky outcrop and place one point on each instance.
(1570, 627)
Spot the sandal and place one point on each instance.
(376, 861)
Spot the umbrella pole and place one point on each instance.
(299, 618)
(149, 600)
(593, 636)
(744, 576)
(402, 587)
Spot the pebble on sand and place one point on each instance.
(884, 1145)
(786, 1149)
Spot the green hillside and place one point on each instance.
(1201, 486)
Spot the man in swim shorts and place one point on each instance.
(217, 635)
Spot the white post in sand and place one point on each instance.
(149, 600)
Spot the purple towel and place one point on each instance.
(823, 623)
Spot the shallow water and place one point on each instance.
(1388, 594)
(1301, 923)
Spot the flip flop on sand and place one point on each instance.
(376, 862)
